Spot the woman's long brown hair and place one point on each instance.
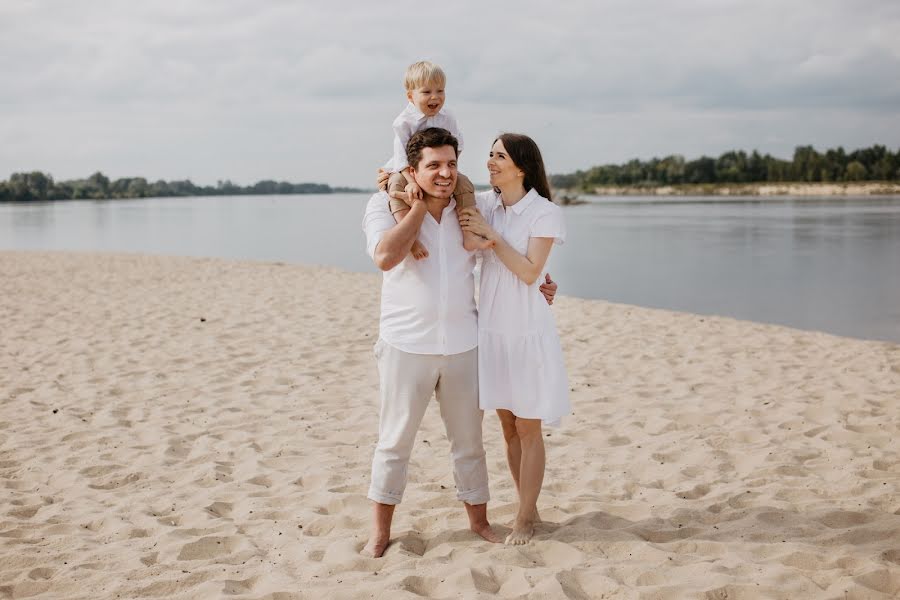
(526, 155)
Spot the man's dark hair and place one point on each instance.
(433, 137)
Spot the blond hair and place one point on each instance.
(422, 73)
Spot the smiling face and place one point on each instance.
(502, 169)
(436, 171)
(429, 97)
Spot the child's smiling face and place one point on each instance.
(429, 98)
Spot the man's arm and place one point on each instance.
(397, 241)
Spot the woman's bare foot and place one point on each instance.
(522, 532)
(376, 546)
(418, 250)
(536, 518)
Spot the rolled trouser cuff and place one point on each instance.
(383, 497)
(475, 497)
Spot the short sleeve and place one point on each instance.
(550, 224)
(376, 221)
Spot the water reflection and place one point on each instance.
(33, 216)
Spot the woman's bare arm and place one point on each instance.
(527, 267)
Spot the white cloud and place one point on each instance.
(306, 91)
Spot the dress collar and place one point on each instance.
(520, 206)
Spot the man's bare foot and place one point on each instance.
(487, 532)
(521, 534)
(418, 250)
(382, 514)
(376, 546)
(478, 522)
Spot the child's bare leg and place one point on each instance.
(465, 197)
(399, 208)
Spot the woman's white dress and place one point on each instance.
(520, 360)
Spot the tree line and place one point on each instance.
(38, 186)
(808, 165)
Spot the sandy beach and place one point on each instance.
(199, 428)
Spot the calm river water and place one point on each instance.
(828, 264)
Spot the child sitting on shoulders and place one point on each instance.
(424, 83)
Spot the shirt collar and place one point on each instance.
(520, 206)
(413, 111)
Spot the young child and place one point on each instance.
(424, 83)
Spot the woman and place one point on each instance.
(521, 373)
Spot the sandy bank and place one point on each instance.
(756, 189)
(193, 428)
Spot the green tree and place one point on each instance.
(137, 188)
(856, 171)
(702, 170)
(98, 184)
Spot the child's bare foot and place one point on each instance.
(521, 534)
(483, 243)
(418, 250)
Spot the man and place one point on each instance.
(428, 337)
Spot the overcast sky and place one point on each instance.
(306, 91)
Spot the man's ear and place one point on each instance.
(409, 95)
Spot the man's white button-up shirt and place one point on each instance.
(412, 120)
(427, 306)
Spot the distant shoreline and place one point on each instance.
(869, 188)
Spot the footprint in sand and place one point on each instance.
(842, 519)
(884, 581)
(220, 509)
(411, 543)
(319, 527)
(26, 512)
(486, 581)
(237, 587)
(420, 586)
(41, 573)
(209, 547)
(261, 480)
(885, 465)
(698, 491)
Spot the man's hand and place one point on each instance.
(548, 289)
(413, 192)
